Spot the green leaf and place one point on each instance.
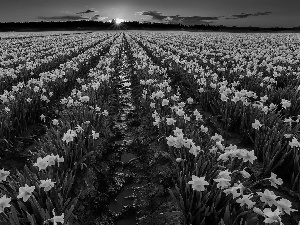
(69, 213)
(14, 215)
(227, 219)
(31, 219)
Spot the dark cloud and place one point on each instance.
(245, 15)
(190, 20)
(154, 14)
(186, 20)
(68, 17)
(86, 12)
(98, 18)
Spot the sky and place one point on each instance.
(262, 13)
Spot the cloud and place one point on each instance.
(186, 20)
(191, 20)
(154, 14)
(98, 18)
(86, 12)
(66, 18)
(245, 15)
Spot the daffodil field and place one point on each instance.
(223, 108)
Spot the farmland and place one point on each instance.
(192, 128)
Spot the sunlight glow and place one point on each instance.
(118, 20)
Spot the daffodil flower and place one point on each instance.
(285, 103)
(222, 182)
(285, 205)
(4, 203)
(256, 125)
(245, 200)
(47, 184)
(25, 192)
(55, 122)
(294, 143)
(268, 197)
(272, 217)
(274, 181)
(170, 121)
(56, 219)
(69, 136)
(234, 190)
(95, 135)
(198, 183)
(3, 175)
(42, 163)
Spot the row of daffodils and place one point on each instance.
(23, 105)
(49, 190)
(239, 93)
(213, 185)
(21, 63)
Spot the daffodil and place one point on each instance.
(84, 98)
(272, 217)
(25, 192)
(59, 159)
(224, 98)
(69, 136)
(55, 122)
(165, 102)
(285, 103)
(42, 117)
(190, 100)
(170, 121)
(274, 181)
(195, 150)
(245, 200)
(294, 143)
(236, 190)
(187, 118)
(222, 182)
(179, 160)
(204, 129)
(256, 125)
(42, 163)
(95, 135)
(285, 205)
(105, 112)
(171, 140)
(177, 131)
(198, 183)
(50, 159)
(225, 174)
(57, 219)
(268, 197)
(4, 203)
(3, 175)
(152, 105)
(47, 184)
(198, 115)
(249, 156)
(180, 112)
(217, 137)
(181, 104)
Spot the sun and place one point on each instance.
(118, 20)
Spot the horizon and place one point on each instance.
(264, 14)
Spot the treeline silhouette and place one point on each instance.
(132, 25)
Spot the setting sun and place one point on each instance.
(118, 20)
